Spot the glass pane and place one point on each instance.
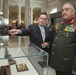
(21, 57)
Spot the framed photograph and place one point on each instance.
(21, 67)
(5, 70)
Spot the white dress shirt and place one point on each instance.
(42, 32)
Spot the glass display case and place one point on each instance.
(4, 27)
(20, 57)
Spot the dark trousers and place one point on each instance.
(63, 73)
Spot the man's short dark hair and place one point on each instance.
(43, 13)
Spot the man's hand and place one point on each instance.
(14, 31)
(45, 44)
(73, 72)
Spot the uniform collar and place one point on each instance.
(71, 21)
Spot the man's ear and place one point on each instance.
(74, 12)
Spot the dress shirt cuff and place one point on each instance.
(20, 32)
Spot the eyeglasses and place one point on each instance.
(43, 19)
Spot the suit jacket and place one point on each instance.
(63, 51)
(34, 33)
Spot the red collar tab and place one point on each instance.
(69, 21)
(72, 21)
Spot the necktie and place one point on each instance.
(43, 33)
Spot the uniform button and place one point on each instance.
(60, 31)
(53, 52)
(50, 29)
(53, 44)
(56, 37)
(67, 35)
(65, 59)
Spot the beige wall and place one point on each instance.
(36, 15)
(13, 17)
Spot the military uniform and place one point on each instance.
(52, 29)
(63, 52)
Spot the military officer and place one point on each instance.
(63, 52)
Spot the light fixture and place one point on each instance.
(14, 21)
(1, 13)
(35, 21)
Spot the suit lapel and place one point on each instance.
(39, 32)
(46, 33)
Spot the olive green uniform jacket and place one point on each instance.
(63, 52)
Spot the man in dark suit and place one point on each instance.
(63, 51)
(38, 33)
